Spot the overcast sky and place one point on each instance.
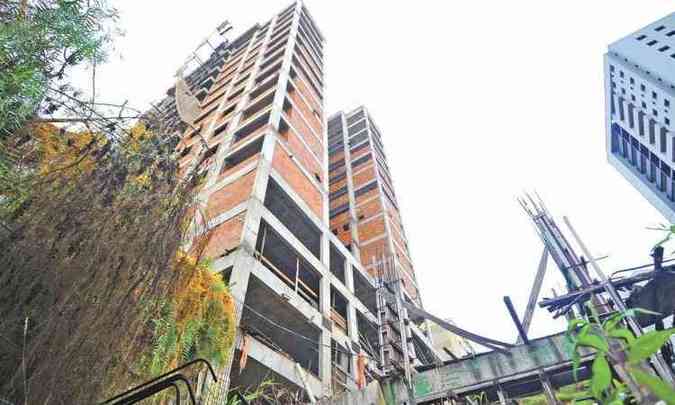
(477, 101)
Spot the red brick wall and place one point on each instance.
(369, 209)
(231, 195)
(339, 219)
(303, 88)
(336, 202)
(364, 177)
(224, 237)
(293, 116)
(360, 153)
(345, 237)
(290, 172)
(304, 156)
(370, 194)
(374, 249)
(371, 229)
(397, 236)
(337, 157)
(306, 111)
(338, 185)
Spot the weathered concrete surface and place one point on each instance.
(548, 354)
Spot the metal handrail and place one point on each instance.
(172, 379)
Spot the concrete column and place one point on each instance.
(353, 331)
(285, 71)
(238, 285)
(241, 273)
(349, 275)
(264, 167)
(325, 359)
(325, 362)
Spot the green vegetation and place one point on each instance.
(39, 42)
(97, 294)
(566, 394)
(603, 387)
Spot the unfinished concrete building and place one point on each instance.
(364, 215)
(305, 306)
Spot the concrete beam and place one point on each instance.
(282, 365)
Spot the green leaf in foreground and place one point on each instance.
(602, 376)
(660, 388)
(624, 334)
(648, 344)
(593, 341)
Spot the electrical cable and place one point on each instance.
(292, 332)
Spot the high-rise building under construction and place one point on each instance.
(309, 305)
(364, 212)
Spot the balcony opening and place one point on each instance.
(242, 155)
(264, 87)
(341, 359)
(280, 258)
(251, 127)
(241, 81)
(337, 263)
(365, 291)
(262, 314)
(258, 106)
(264, 75)
(338, 311)
(275, 60)
(229, 111)
(291, 215)
(236, 94)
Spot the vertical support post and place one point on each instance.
(549, 391)
(502, 395)
(325, 354)
(303, 377)
(297, 272)
(349, 276)
(239, 279)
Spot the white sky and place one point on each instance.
(477, 101)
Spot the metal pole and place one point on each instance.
(501, 395)
(549, 392)
(516, 321)
(659, 364)
(301, 373)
